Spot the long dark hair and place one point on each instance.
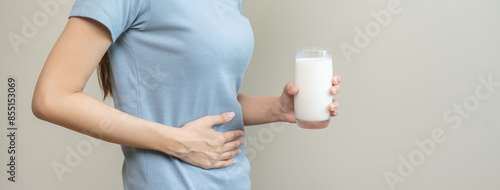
(104, 76)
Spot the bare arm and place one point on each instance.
(58, 98)
(259, 110)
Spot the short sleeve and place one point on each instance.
(117, 15)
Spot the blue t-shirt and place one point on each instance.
(174, 61)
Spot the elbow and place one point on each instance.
(40, 106)
(240, 96)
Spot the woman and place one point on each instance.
(175, 69)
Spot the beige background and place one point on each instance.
(429, 58)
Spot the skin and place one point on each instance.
(59, 99)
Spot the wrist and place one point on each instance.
(170, 141)
(278, 112)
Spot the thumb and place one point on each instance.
(290, 89)
(219, 119)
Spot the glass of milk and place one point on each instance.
(313, 76)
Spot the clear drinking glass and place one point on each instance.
(313, 76)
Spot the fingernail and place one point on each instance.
(234, 161)
(334, 90)
(333, 106)
(239, 151)
(336, 80)
(230, 115)
(294, 88)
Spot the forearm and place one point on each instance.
(260, 110)
(82, 113)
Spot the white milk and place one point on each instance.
(313, 76)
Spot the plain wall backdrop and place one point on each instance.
(419, 101)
